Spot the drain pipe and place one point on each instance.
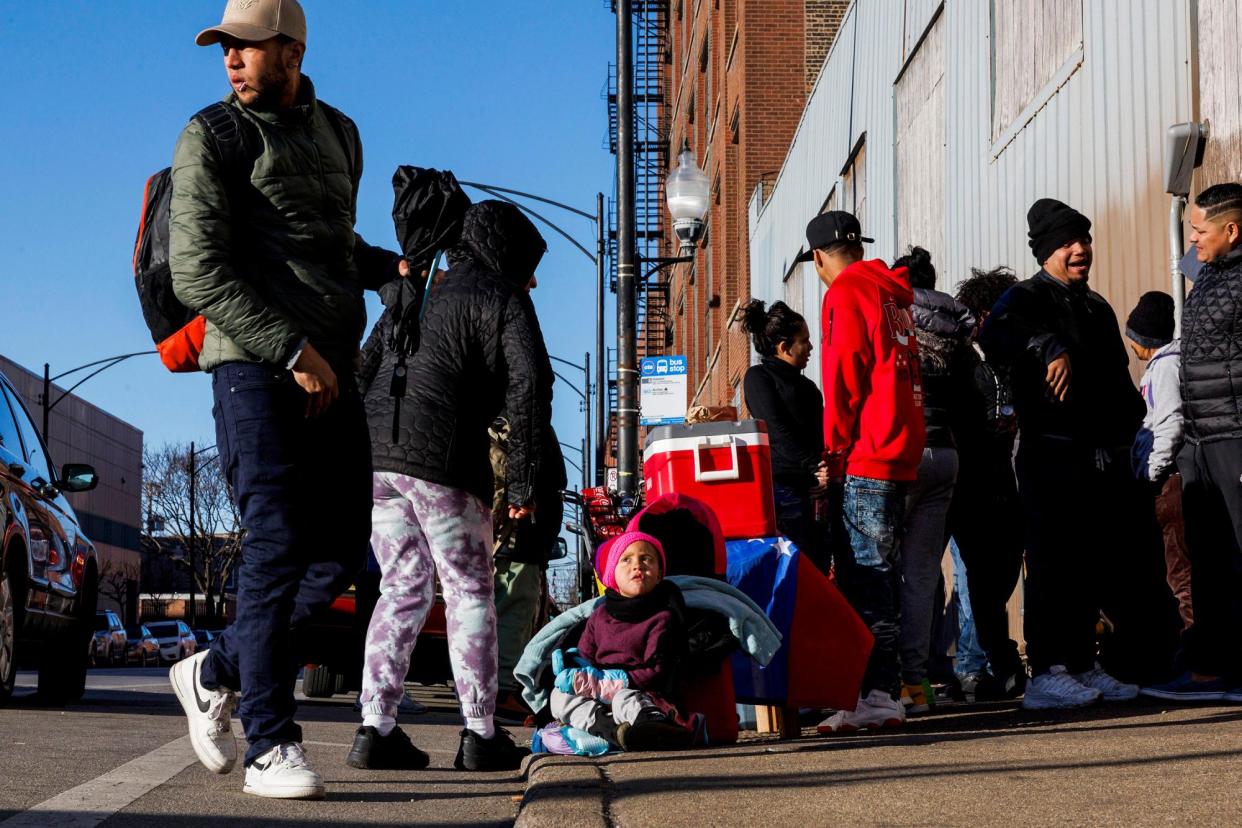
(1177, 246)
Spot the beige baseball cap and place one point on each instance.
(256, 20)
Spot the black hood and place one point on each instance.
(496, 236)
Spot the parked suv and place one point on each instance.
(141, 647)
(175, 638)
(108, 643)
(48, 569)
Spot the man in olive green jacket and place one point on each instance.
(268, 255)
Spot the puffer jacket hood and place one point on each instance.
(943, 327)
(498, 237)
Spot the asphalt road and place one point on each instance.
(92, 763)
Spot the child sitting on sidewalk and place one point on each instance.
(630, 647)
(1150, 333)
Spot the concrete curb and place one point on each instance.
(569, 791)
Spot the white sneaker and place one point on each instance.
(284, 773)
(878, 709)
(1110, 689)
(1058, 690)
(209, 712)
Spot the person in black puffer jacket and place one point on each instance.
(1211, 460)
(943, 328)
(1092, 541)
(778, 393)
(480, 352)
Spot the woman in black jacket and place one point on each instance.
(793, 408)
(480, 352)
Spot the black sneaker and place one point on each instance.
(371, 751)
(654, 730)
(495, 754)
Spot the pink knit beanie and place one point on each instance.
(610, 554)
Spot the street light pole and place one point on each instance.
(601, 433)
(193, 471)
(193, 523)
(627, 343)
(47, 404)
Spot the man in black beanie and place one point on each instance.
(1078, 412)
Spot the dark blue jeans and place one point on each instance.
(795, 518)
(868, 515)
(303, 489)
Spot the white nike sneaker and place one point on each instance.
(878, 709)
(284, 773)
(1110, 689)
(1058, 690)
(209, 712)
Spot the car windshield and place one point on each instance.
(200, 636)
(101, 623)
(135, 631)
(163, 630)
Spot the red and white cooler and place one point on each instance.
(728, 465)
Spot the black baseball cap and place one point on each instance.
(828, 229)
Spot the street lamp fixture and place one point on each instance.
(687, 191)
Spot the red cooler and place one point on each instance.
(728, 465)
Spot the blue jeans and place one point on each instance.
(970, 656)
(795, 518)
(868, 516)
(303, 489)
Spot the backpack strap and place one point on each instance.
(236, 143)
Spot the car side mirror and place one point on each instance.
(77, 477)
(561, 552)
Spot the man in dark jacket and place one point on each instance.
(985, 518)
(481, 351)
(1078, 411)
(1211, 460)
(270, 258)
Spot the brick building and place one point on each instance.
(739, 72)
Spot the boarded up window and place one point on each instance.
(921, 155)
(1031, 40)
(854, 188)
(793, 287)
(1220, 62)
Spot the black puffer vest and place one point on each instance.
(1212, 352)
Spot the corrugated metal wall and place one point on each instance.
(1094, 139)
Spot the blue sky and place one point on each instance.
(500, 92)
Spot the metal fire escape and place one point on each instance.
(651, 56)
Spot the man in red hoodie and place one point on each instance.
(873, 440)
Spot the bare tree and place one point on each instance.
(215, 526)
(118, 580)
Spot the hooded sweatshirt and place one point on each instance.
(873, 399)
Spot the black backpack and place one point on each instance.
(177, 331)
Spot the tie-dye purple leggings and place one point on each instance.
(419, 529)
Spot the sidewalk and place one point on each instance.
(1137, 764)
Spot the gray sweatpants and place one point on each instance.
(922, 548)
(580, 712)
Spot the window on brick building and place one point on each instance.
(735, 124)
(690, 110)
(705, 68)
(1033, 42)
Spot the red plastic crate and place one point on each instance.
(728, 465)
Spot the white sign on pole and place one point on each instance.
(662, 390)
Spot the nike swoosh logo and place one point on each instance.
(202, 705)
